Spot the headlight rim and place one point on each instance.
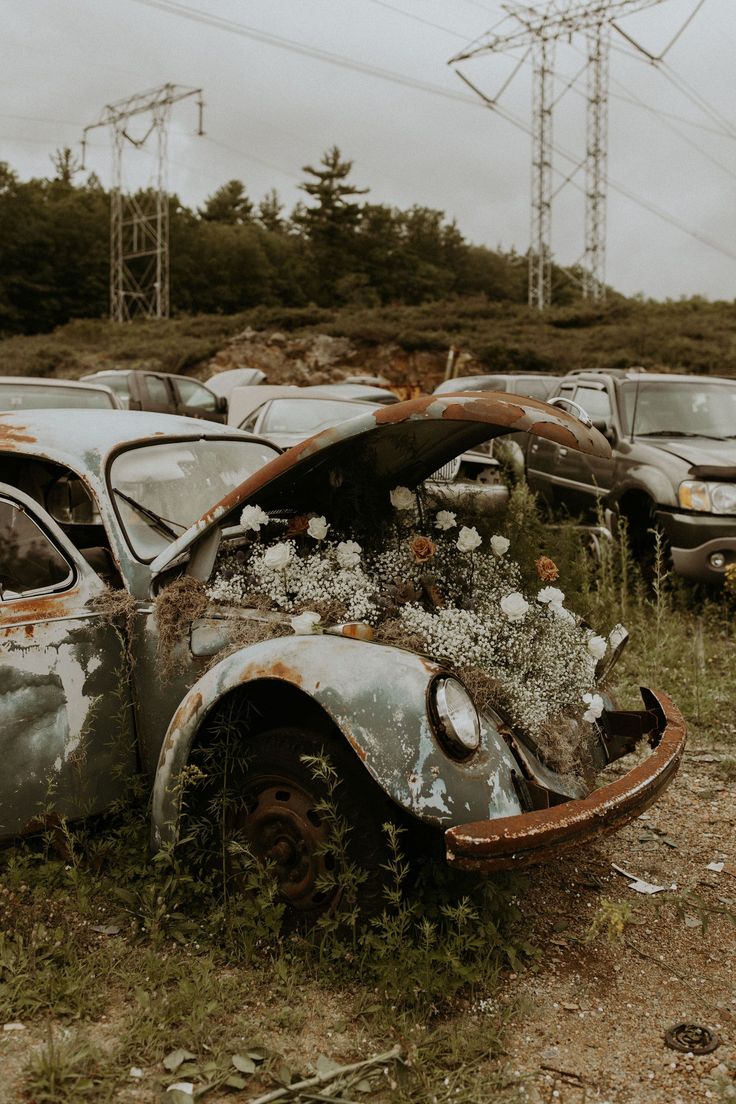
(445, 732)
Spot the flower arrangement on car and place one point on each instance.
(428, 582)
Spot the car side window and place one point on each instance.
(595, 402)
(158, 391)
(250, 422)
(29, 562)
(195, 396)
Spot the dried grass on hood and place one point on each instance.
(174, 609)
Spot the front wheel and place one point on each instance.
(310, 811)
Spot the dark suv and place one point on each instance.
(673, 464)
(162, 392)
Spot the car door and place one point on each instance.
(197, 401)
(156, 393)
(66, 731)
(548, 464)
(590, 477)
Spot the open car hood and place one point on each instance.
(355, 464)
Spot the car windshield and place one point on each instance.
(680, 409)
(308, 416)
(41, 396)
(160, 490)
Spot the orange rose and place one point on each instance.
(546, 569)
(298, 525)
(422, 549)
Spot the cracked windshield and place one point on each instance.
(162, 489)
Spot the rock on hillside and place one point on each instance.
(319, 358)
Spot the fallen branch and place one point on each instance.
(325, 1078)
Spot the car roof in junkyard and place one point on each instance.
(397, 444)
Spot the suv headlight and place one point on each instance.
(709, 498)
(456, 716)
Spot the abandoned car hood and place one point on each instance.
(358, 461)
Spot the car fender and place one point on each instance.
(648, 480)
(377, 696)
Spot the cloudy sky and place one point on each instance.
(285, 79)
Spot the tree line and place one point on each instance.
(334, 248)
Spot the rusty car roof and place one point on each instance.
(83, 439)
(402, 443)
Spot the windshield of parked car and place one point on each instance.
(308, 416)
(41, 396)
(680, 409)
(160, 490)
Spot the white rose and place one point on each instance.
(515, 606)
(469, 539)
(403, 499)
(500, 545)
(318, 527)
(595, 707)
(253, 517)
(348, 553)
(305, 624)
(445, 520)
(277, 556)
(552, 596)
(597, 647)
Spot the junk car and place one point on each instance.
(131, 504)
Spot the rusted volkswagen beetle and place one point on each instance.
(133, 501)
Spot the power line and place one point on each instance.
(419, 19)
(173, 7)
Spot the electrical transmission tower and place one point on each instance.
(139, 222)
(538, 28)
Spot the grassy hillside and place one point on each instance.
(691, 335)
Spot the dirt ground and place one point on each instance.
(592, 1015)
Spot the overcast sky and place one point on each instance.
(271, 110)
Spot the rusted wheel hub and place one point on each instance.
(284, 829)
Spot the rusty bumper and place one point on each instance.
(539, 836)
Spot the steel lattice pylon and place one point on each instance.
(139, 222)
(537, 28)
(540, 242)
(596, 160)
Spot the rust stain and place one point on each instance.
(277, 670)
(11, 435)
(356, 630)
(540, 836)
(357, 748)
(50, 607)
(189, 707)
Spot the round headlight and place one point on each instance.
(457, 717)
(723, 497)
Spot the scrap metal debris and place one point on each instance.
(691, 1039)
(639, 885)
